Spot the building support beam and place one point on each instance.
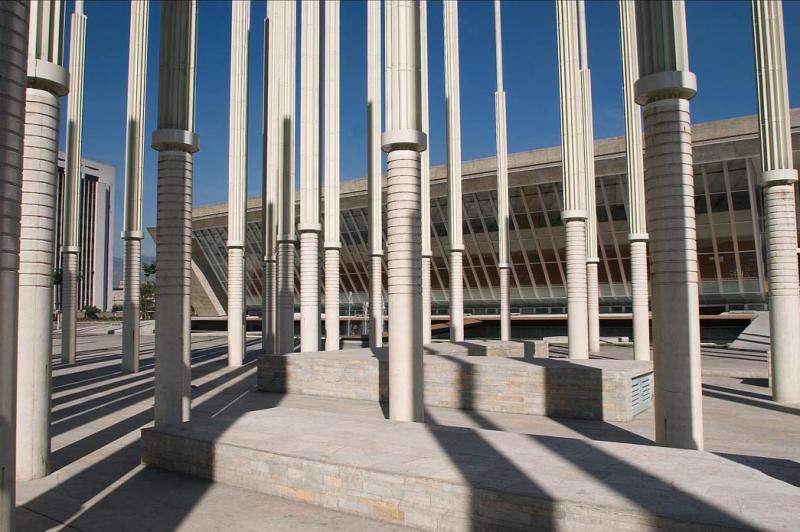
(286, 238)
(574, 183)
(425, 172)
(134, 169)
(270, 141)
(778, 178)
(664, 88)
(13, 72)
(72, 179)
(175, 141)
(332, 237)
(309, 228)
(637, 222)
(452, 93)
(502, 181)
(375, 178)
(47, 81)
(237, 181)
(403, 140)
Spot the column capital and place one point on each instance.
(176, 140)
(70, 249)
(638, 237)
(404, 139)
(572, 214)
(457, 247)
(48, 76)
(332, 245)
(234, 244)
(309, 228)
(132, 235)
(666, 84)
(286, 239)
(784, 176)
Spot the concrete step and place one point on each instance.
(445, 478)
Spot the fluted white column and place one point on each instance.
(587, 132)
(13, 72)
(664, 88)
(309, 227)
(332, 237)
(286, 238)
(778, 177)
(175, 141)
(134, 160)
(72, 179)
(237, 180)
(425, 172)
(452, 93)
(636, 205)
(574, 196)
(403, 140)
(502, 181)
(47, 81)
(375, 184)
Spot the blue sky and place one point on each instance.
(720, 49)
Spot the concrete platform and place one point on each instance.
(446, 478)
(614, 390)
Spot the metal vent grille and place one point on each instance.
(641, 393)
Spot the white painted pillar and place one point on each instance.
(452, 93)
(374, 180)
(237, 181)
(47, 81)
(574, 195)
(72, 179)
(403, 140)
(286, 239)
(332, 236)
(636, 205)
(425, 172)
(309, 228)
(13, 71)
(664, 88)
(134, 169)
(778, 177)
(587, 131)
(502, 181)
(175, 141)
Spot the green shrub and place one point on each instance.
(116, 307)
(90, 312)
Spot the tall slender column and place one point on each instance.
(134, 160)
(309, 227)
(237, 180)
(72, 179)
(374, 173)
(47, 81)
(332, 236)
(778, 177)
(286, 239)
(452, 93)
(403, 140)
(574, 196)
(636, 205)
(13, 72)
(587, 131)
(425, 172)
(664, 88)
(502, 180)
(175, 141)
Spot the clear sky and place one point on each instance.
(720, 49)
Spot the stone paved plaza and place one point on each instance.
(98, 483)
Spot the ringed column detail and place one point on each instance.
(375, 178)
(453, 114)
(636, 204)
(778, 178)
(332, 237)
(403, 140)
(13, 72)
(425, 172)
(72, 179)
(664, 88)
(47, 81)
(134, 168)
(286, 238)
(175, 141)
(237, 181)
(269, 166)
(309, 227)
(574, 183)
(587, 131)
(502, 181)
